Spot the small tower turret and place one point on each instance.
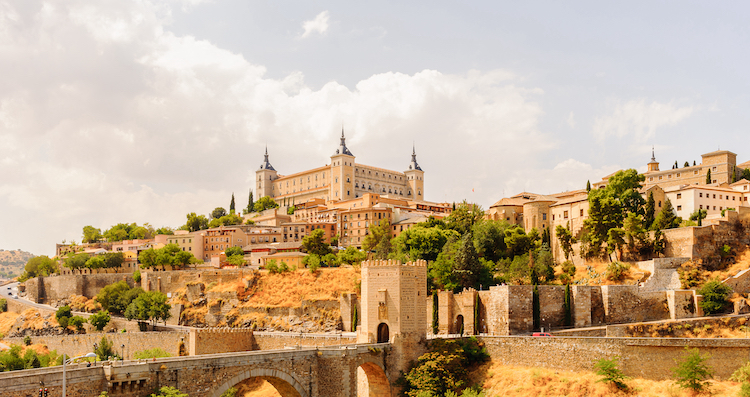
(342, 172)
(415, 178)
(653, 165)
(265, 176)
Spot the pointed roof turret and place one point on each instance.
(414, 165)
(266, 165)
(653, 157)
(342, 146)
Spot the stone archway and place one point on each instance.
(285, 384)
(372, 381)
(383, 335)
(459, 328)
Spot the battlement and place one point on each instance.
(393, 262)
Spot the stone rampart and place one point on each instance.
(626, 304)
(649, 358)
(220, 340)
(172, 280)
(285, 340)
(678, 328)
(54, 288)
(79, 344)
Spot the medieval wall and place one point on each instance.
(54, 288)
(649, 358)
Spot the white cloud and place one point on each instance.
(638, 119)
(141, 125)
(571, 120)
(317, 25)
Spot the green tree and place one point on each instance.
(150, 353)
(3, 305)
(650, 211)
(715, 296)
(464, 217)
(218, 212)
(76, 261)
(105, 349)
(566, 239)
(164, 230)
(489, 239)
(265, 203)
(100, 319)
(698, 216)
(419, 242)
(149, 306)
(610, 372)
(113, 259)
(77, 321)
(708, 177)
(39, 266)
(692, 372)
(314, 243)
(226, 220)
(746, 174)
(379, 239)
(351, 256)
(195, 222)
(250, 204)
(95, 262)
(517, 241)
(91, 234)
(231, 205)
(667, 219)
(588, 186)
(435, 313)
(109, 296)
(232, 251)
(63, 311)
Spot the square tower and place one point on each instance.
(393, 301)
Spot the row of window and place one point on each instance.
(721, 196)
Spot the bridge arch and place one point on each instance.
(284, 383)
(372, 380)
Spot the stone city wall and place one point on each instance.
(54, 288)
(678, 328)
(703, 242)
(79, 344)
(649, 358)
(220, 340)
(172, 280)
(285, 340)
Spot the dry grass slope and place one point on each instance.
(499, 380)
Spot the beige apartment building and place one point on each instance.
(342, 179)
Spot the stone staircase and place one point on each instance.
(664, 274)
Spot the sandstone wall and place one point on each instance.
(79, 344)
(172, 280)
(54, 288)
(639, 357)
(625, 304)
(551, 310)
(220, 340)
(285, 340)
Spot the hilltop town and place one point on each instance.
(352, 254)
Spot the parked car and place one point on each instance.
(15, 296)
(541, 334)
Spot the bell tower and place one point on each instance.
(342, 172)
(653, 165)
(415, 178)
(264, 178)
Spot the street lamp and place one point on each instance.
(65, 362)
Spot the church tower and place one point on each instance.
(342, 172)
(415, 178)
(265, 176)
(653, 165)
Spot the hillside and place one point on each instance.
(13, 262)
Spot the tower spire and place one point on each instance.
(414, 165)
(266, 165)
(342, 146)
(653, 157)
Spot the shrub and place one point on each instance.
(272, 266)
(616, 271)
(77, 321)
(137, 276)
(100, 319)
(610, 373)
(445, 368)
(151, 353)
(745, 390)
(63, 311)
(231, 392)
(742, 374)
(63, 322)
(169, 391)
(27, 340)
(569, 268)
(715, 296)
(692, 371)
(105, 349)
(3, 305)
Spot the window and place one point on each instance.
(679, 195)
(659, 204)
(581, 211)
(700, 194)
(720, 197)
(544, 217)
(679, 208)
(565, 214)
(701, 206)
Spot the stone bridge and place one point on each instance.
(350, 370)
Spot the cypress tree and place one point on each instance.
(231, 205)
(693, 163)
(648, 218)
(477, 312)
(536, 308)
(687, 164)
(708, 177)
(250, 203)
(588, 186)
(355, 317)
(566, 307)
(435, 315)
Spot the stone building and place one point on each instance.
(341, 179)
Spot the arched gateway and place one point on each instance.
(285, 384)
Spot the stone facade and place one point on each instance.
(54, 288)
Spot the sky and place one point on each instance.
(143, 111)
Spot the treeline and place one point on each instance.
(122, 231)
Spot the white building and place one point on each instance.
(686, 199)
